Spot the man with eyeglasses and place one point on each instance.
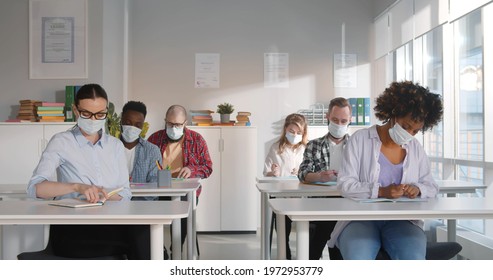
(184, 151)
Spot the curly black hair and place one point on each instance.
(135, 106)
(403, 98)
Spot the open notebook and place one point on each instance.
(381, 199)
(77, 203)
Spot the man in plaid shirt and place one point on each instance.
(184, 151)
(321, 162)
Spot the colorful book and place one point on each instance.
(52, 104)
(50, 108)
(52, 115)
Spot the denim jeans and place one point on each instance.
(402, 240)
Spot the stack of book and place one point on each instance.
(201, 117)
(243, 119)
(50, 112)
(27, 111)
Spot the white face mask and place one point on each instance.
(293, 138)
(337, 131)
(130, 133)
(174, 133)
(90, 126)
(399, 135)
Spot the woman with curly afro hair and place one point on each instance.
(387, 161)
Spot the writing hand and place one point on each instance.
(91, 192)
(184, 172)
(275, 169)
(411, 191)
(328, 175)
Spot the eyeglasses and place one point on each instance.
(87, 115)
(175, 125)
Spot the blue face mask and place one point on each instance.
(174, 133)
(130, 133)
(90, 126)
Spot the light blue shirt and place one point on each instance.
(360, 170)
(77, 160)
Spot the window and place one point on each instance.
(468, 34)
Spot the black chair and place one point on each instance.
(434, 251)
(47, 253)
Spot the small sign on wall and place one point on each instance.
(207, 70)
(276, 70)
(345, 70)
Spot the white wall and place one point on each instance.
(165, 35)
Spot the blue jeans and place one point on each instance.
(402, 240)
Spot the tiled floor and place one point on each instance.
(238, 246)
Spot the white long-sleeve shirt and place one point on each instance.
(360, 170)
(288, 160)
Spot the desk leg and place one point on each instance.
(1, 242)
(190, 236)
(46, 234)
(157, 240)
(451, 225)
(265, 217)
(176, 236)
(302, 240)
(281, 236)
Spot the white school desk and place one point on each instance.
(287, 188)
(153, 213)
(291, 187)
(452, 188)
(184, 187)
(302, 211)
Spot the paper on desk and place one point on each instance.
(381, 199)
(329, 183)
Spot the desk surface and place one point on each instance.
(290, 186)
(185, 186)
(299, 209)
(295, 187)
(112, 212)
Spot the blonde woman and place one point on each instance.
(286, 154)
(285, 157)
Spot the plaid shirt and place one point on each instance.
(195, 152)
(317, 156)
(145, 168)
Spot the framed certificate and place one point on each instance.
(57, 39)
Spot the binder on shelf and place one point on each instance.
(367, 110)
(360, 118)
(354, 110)
(69, 100)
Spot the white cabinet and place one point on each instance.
(22, 145)
(229, 199)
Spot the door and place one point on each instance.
(239, 196)
(208, 208)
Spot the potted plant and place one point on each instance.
(225, 110)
